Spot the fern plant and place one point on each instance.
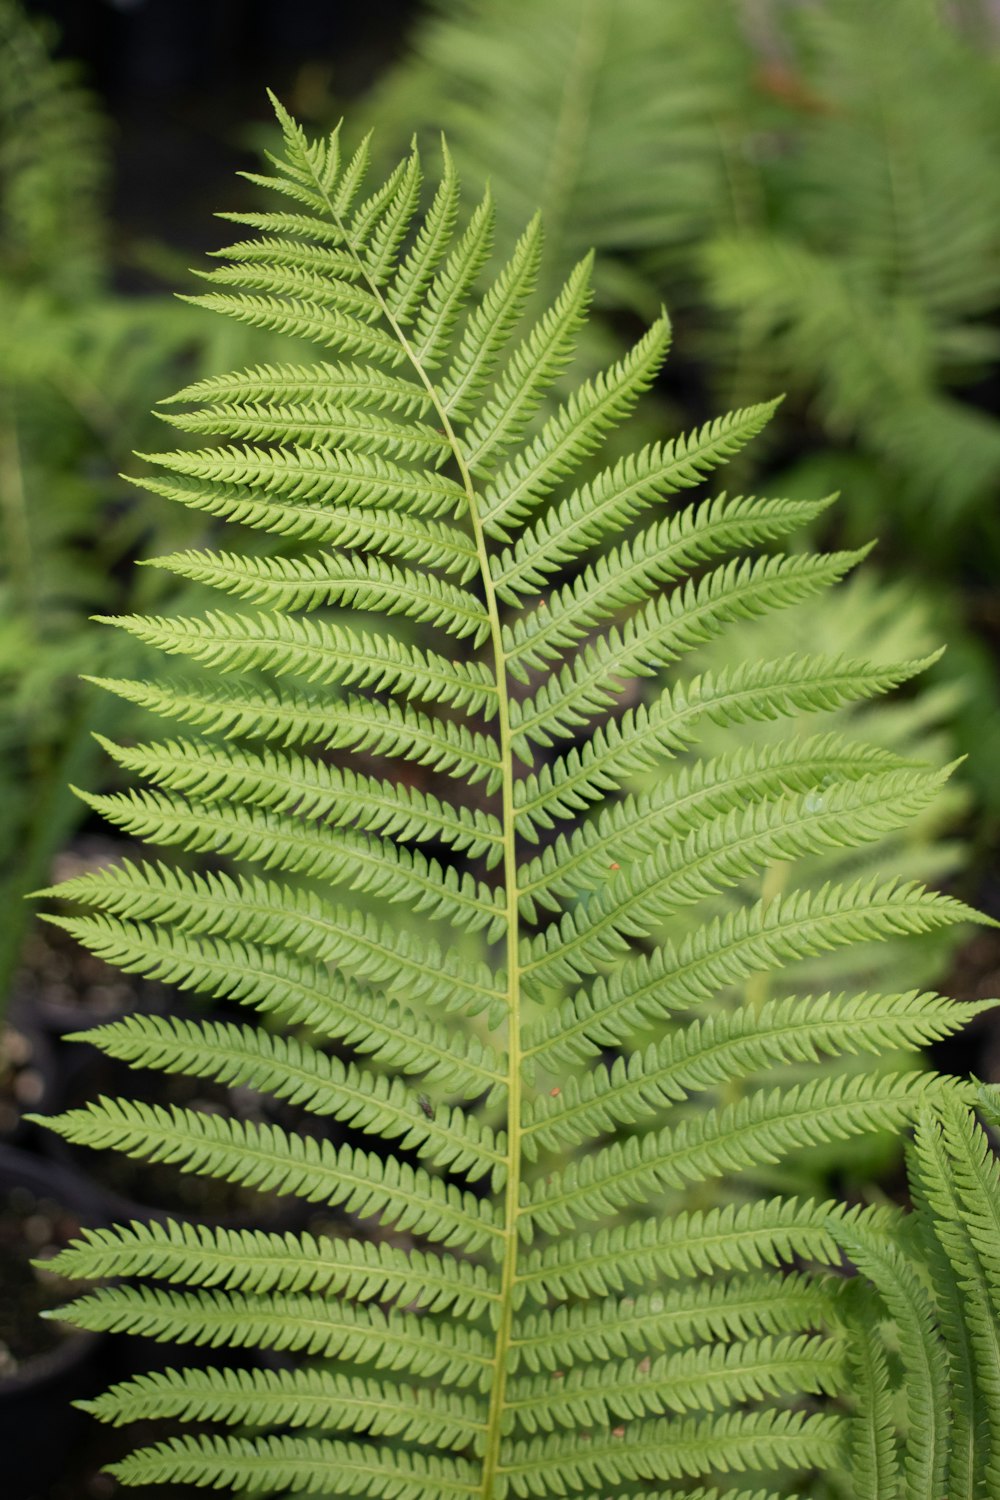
(923, 1322)
(424, 881)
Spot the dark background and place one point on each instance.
(183, 82)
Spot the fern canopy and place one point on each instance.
(399, 827)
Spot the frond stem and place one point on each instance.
(512, 1188)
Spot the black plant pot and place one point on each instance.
(40, 1206)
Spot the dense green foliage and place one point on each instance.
(79, 364)
(528, 996)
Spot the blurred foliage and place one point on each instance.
(80, 366)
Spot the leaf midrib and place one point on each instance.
(512, 1191)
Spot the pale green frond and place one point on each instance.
(326, 578)
(380, 222)
(490, 324)
(975, 1173)
(353, 177)
(271, 251)
(606, 504)
(312, 160)
(662, 631)
(312, 789)
(762, 1128)
(298, 1465)
(872, 1433)
(270, 1159)
(619, 1300)
(257, 1261)
(962, 1266)
(629, 574)
(706, 1311)
(573, 432)
(294, 1398)
(291, 1069)
(281, 223)
(385, 236)
(531, 371)
(926, 1384)
(754, 692)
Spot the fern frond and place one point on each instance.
(927, 1386)
(311, 787)
(295, 718)
(270, 1159)
(873, 1455)
(636, 742)
(589, 1284)
(298, 1465)
(294, 1398)
(254, 1261)
(617, 495)
(292, 1069)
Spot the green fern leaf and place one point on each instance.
(563, 1273)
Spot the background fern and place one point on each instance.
(79, 363)
(486, 1038)
(924, 1345)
